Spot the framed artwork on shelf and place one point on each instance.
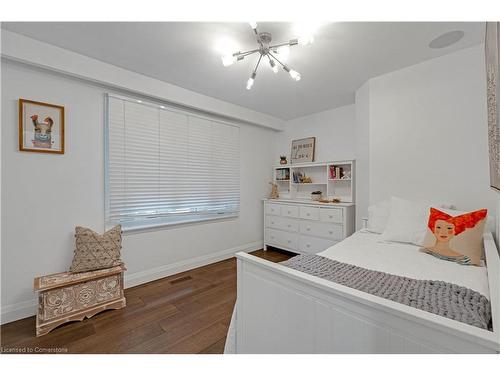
(41, 127)
(303, 150)
(492, 50)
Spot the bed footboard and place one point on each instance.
(280, 310)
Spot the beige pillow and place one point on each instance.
(95, 251)
(455, 238)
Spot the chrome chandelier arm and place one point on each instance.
(257, 65)
(292, 42)
(246, 53)
(294, 74)
(275, 58)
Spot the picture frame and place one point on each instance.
(41, 127)
(303, 150)
(492, 52)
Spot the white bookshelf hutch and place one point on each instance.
(295, 222)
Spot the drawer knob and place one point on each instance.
(272, 222)
(330, 231)
(308, 214)
(289, 212)
(308, 245)
(289, 226)
(308, 229)
(330, 216)
(289, 241)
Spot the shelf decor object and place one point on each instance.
(41, 127)
(303, 150)
(267, 51)
(493, 99)
(316, 195)
(274, 194)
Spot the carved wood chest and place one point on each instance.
(66, 296)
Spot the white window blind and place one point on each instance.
(168, 166)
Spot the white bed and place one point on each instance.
(280, 310)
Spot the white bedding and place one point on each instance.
(365, 249)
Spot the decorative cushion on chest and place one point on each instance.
(455, 238)
(95, 251)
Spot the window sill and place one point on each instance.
(159, 224)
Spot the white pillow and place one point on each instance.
(407, 221)
(378, 214)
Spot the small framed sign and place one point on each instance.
(41, 127)
(303, 150)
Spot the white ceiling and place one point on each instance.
(342, 58)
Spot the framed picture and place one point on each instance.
(492, 49)
(303, 150)
(41, 127)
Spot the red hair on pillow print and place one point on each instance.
(445, 227)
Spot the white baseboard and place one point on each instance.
(28, 308)
(156, 273)
(18, 311)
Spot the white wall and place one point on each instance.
(362, 153)
(334, 131)
(44, 196)
(33, 52)
(428, 132)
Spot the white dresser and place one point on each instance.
(306, 227)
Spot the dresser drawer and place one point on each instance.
(331, 215)
(282, 223)
(327, 230)
(314, 245)
(290, 211)
(280, 238)
(311, 213)
(273, 209)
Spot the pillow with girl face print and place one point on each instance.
(455, 238)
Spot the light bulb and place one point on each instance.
(253, 24)
(305, 40)
(294, 74)
(250, 83)
(228, 60)
(274, 67)
(251, 80)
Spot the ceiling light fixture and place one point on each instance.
(275, 53)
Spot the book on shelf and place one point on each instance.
(283, 174)
(336, 172)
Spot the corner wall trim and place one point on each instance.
(28, 308)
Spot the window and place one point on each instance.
(166, 166)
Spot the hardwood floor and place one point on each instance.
(184, 313)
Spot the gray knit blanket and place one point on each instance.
(437, 297)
